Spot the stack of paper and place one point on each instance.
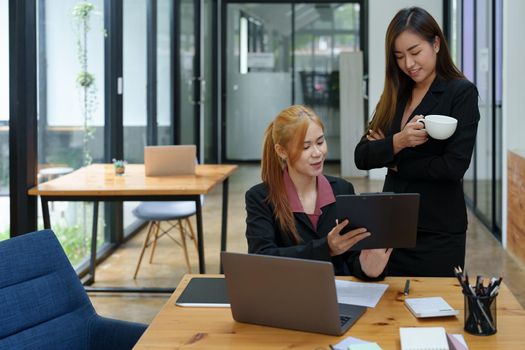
(351, 343)
(423, 338)
(430, 307)
(359, 293)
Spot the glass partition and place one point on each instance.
(4, 119)
(477, 45)
(187, 55)
(467, 66)
(258, 73)
(164, 72)
(135, 118)
(322, 32)
(292, 52)
(484, 150)
(70, 39)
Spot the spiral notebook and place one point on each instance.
(423, 338)
(430, 307)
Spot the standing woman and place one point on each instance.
(292, 212)
(421, 79)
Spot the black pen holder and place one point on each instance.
(480, 314)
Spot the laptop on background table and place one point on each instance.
(170, 160)
(286, 293)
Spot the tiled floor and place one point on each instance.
(484, 253)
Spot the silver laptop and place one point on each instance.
(286, 293)
(170, 160)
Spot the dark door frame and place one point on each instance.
(23, 146)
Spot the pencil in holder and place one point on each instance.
(480, 314)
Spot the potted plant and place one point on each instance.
(85, 80)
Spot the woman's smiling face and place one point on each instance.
(416, 57)
(311, 161)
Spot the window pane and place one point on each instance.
(135, 87)
(135, 80)
(468, 39)
(484, 150)
(468, 70)
(498, 32)
(164, 72)
(187, 53)
(70, 109)
(258, 53)
(207, 57)
(4, 119)
(323, 31)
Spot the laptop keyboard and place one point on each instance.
(344, 319)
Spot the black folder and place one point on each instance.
(391, 218)
(204, 292)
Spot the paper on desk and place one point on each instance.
(359, 293)
(367, 346)
(456, 342)
(348, 341)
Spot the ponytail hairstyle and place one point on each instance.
(397, 83)
(288, 130)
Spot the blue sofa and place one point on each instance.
(43, 305)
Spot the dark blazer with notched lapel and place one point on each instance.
(434, 169)
(265, 237)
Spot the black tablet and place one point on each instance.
(204, 292)
(391, 218)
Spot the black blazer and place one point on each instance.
(265, 237)
(434, 169)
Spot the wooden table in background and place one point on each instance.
(214, 328)
(98, 182)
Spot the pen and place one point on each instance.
(407, 287)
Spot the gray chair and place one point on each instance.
(176, 215)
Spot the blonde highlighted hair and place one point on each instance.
(288, 130)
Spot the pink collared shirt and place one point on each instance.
(325, 196)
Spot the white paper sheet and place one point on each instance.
(345, 343)
(359, 293)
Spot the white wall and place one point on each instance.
(513, 77)
(380, 13)
(513, 73)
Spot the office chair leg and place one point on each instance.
(183, 240)
(192, 235)
(157, 226)
(144, 245)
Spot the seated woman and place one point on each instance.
(292, 212)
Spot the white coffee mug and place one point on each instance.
(439, 127)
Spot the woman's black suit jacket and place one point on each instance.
(435, 170)
(265, 237)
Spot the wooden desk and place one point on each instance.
(98, 182)
(214, 328)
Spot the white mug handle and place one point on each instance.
(422, 120)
